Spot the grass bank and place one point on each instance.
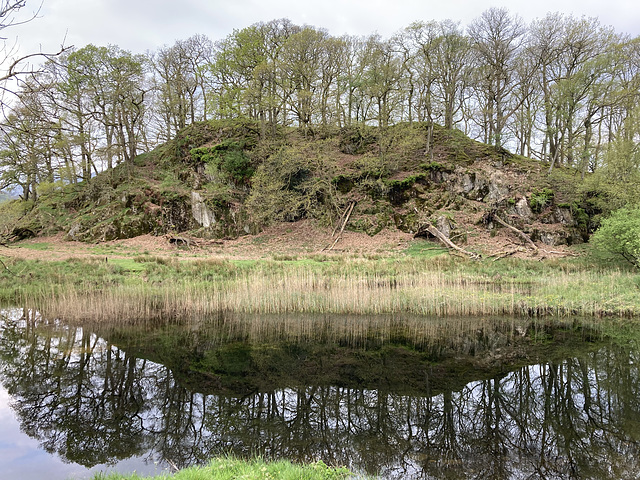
(152, 287)
(230, 469)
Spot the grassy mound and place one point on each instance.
(222, 179)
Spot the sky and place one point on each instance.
(146, 25)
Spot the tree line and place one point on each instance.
(560, 89)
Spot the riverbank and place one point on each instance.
(416, 277)
(231, 468)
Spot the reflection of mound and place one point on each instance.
(385, 407)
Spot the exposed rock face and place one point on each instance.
(475, 186)
(522, 209)
(553, 238)
(471, 185)
(445, 225)
(563, 215)
(201, 213)
(74, 232)
(176, 215)
(498, 191)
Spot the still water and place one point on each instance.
(389, 397)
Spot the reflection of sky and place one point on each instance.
(21, 456)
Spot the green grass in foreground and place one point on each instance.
(231, 468)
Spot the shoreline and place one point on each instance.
(420, 280)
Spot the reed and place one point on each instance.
(352, 287)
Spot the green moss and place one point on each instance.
(435, 167)
(540, 199)
(408, 182)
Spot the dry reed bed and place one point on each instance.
(461, 333)
(300, 290)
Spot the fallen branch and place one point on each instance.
(448, 243)
(520, 233)
(346, 215)
(557, 252)
(341, 221)
(7, 268)
(457, 235)
(497, 256)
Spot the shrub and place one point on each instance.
(619, 235)
(291, 185)
(228, 158)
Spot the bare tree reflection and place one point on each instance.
(93, 402)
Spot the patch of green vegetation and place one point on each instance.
(356, 139)
(40, 246)
(126, 265)
(227, 158)
(369, 165)
(434, 167)
(619, 235)
(229, 468)
(408, 182)
(292, 184)
(541, 199)
(424, 249)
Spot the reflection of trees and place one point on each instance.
(80, 397)
(94, 403)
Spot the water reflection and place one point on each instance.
(185, 395)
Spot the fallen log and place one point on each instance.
(563, 254)
(182, 241)
(497, 256)
(520, 233)
(448, 243)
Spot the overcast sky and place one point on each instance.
(141, 25)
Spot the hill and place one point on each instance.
(223, 180)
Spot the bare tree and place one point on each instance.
(13, 66)
(497, 38)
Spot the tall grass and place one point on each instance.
(355, 286)
(231, 468)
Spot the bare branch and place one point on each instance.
(8, 8)
(14, 70)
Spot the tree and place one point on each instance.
(180, 83)
(107, 85)
(451, 62)
(381, 77)
(302, 56)
(497, 39)
(418, 43)
(26, 148)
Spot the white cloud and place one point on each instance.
(140, 25)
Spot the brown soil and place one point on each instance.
(281, 240)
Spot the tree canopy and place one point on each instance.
(561, 89)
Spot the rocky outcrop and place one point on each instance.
(202, 214)
(478, 186)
